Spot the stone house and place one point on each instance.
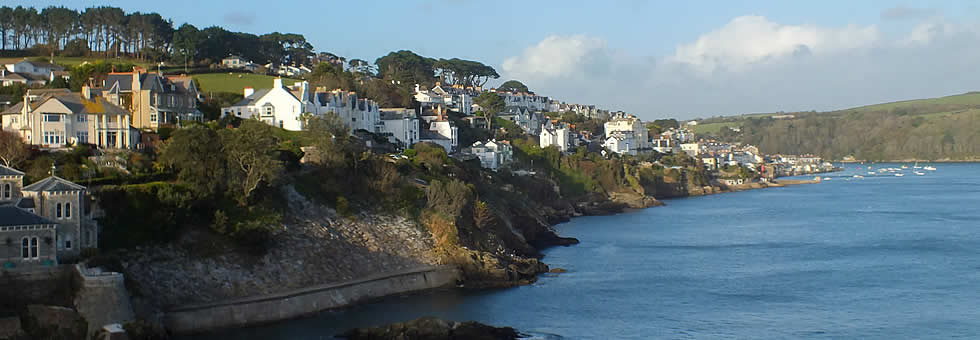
(43, 222)
(154, 100)
(26, 239)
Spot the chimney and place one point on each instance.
(277, 83)
(249, 91)
(87, 92)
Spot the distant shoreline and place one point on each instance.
(912, 161)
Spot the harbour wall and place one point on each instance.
(302, 302)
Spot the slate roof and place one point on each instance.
(13, 216)
(5, 171)
(258, 94)
(43, 64)
(53, 183)
(13, 109)
(430, 135)
(26, 203)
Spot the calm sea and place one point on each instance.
(879, 257)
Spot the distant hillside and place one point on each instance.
(946, 128)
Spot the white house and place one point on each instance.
(665, 145)
(358, 113)
(8, 78)
(692, 149)
(621, 142)
(493, 154)
(524, 100)
(554, 135)
(36, 68)
(277, 106)
(632, 125)
(527, 119)
(56, 118)
(401, 126)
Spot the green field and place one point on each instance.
(941, 104)
(712, 127)
(235, 82)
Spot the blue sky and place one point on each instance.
(664, 58)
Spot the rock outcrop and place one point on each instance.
(430, 328)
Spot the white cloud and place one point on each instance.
(753, 64)
(748, 40)
(556, 56)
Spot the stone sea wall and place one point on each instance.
(265, 309)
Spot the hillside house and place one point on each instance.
(155, 101)
(277, 106)
(493, 154)
(401, 126)
(57, 118)
(554, 134)
(633, 126)
(358, 113)
(44, 222)
(35, 68)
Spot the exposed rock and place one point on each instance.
(430, 328)
(557, 270)
(53, 322)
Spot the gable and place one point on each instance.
(53, 105)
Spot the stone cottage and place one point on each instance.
(53, 211)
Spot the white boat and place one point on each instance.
(858, 176)
(916, 166)
(899, 175)
(826, 178)
(920, 173)
(871, 172)
(930, 168)
(905, 166)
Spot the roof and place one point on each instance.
(13, 216)
(6, 171)
(26, 203)
(429, 135)
(79, 105)
(42, 64)
(248, 101)
(53, 183)
(14, 76)
(13, 109)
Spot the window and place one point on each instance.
(269, 110)
(25, 251)
(67, 210)
(52, 118)
(81, 118)
(34, 250)
(82, 136)
(88, 237)
(67, 244)
(58, 210)
(111, 139)
(6, 190)
(153, 117)
(13, 119)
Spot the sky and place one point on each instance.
(655, 59)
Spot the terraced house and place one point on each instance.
(58, 118)
(153, 99)
(43, 222)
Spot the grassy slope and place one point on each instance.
(235, 82)
(712, 127)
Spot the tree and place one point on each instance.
(406, 67)
(193, 152)
(513, 86)
(331, 138)
(491, 104)
(13, 151)
(251, 154)
(6, 24)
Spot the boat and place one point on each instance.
(905, 166)
(920, 173)
(930, 168)
(871, 172)
(916, 166)
(858, 176)
(899, 175)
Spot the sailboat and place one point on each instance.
(916, 166)
(930, 168)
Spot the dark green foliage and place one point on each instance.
(146, 213)
(513, 86)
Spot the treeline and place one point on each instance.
(110, 31)
(897, 134)
(406, 67)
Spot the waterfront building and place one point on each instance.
(630, 125)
